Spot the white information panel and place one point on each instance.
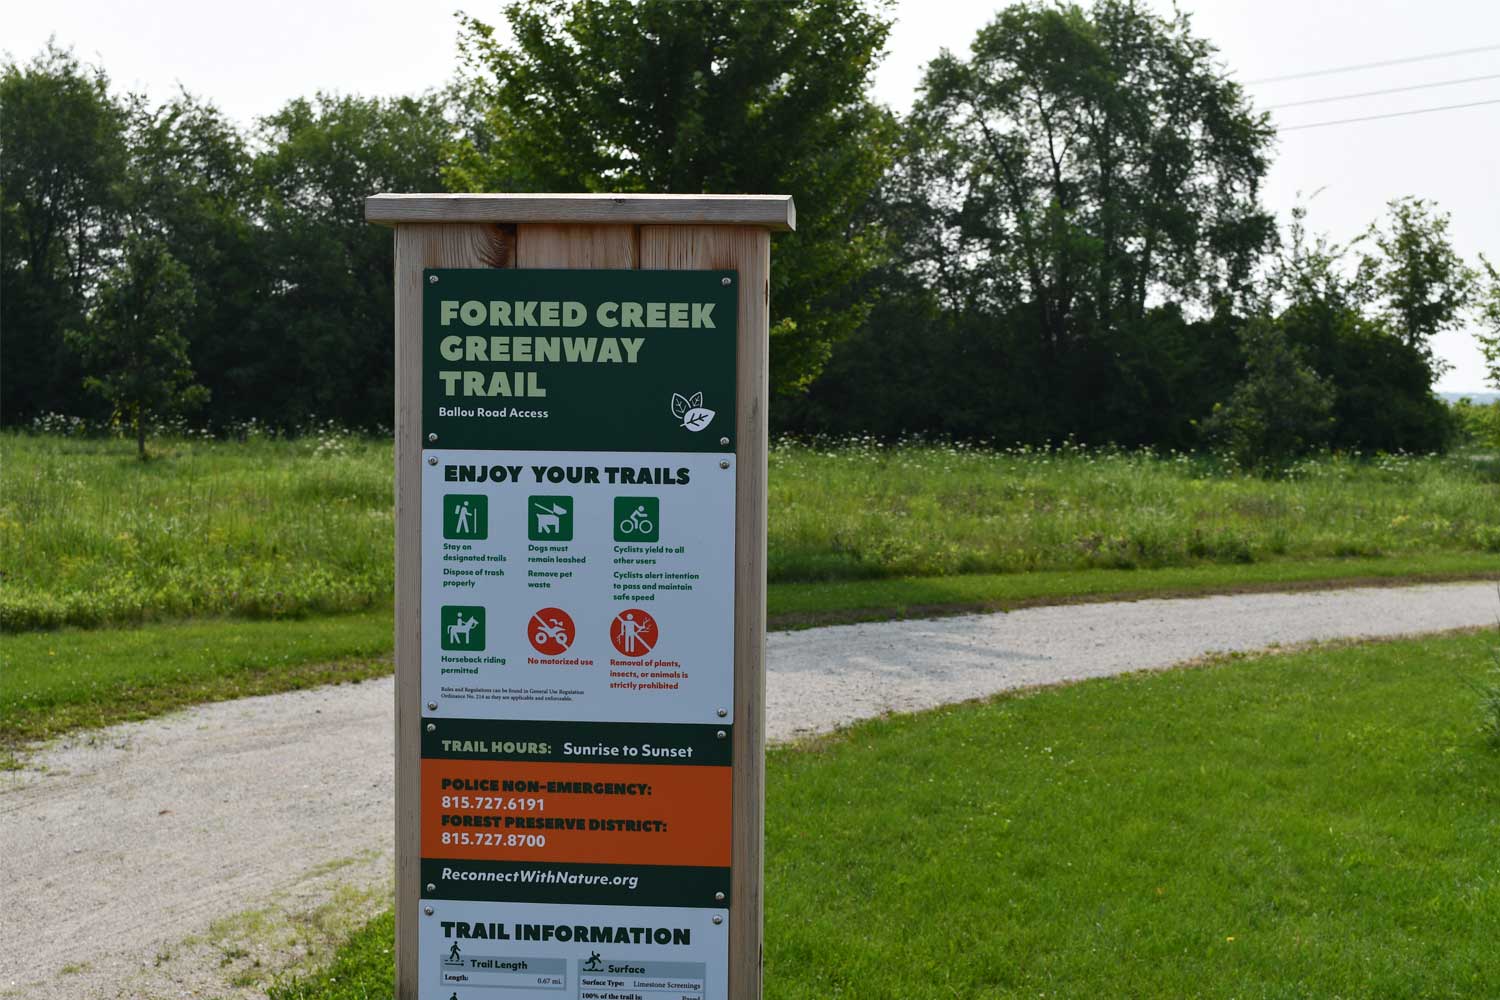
(578, 585)
(480, 951)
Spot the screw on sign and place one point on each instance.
(633, 632)
(551, 631)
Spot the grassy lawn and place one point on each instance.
(280, 529)
(260, 566)
(793, 605)
(119, 674)
(1317, 824)
(866, 511)
(51, 682)
(90, 536)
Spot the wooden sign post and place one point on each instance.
(581, 386)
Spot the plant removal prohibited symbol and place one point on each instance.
(689, 409)
(550, 631)
(633, 632)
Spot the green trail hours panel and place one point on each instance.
(579, 360)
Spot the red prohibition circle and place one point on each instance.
(551, 631)
(633, 632)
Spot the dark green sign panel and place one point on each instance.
(579, 360)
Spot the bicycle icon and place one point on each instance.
(637, 523)
(637, 519)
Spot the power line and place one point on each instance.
(1388, 90)
(1372, 65)
(1393, 114)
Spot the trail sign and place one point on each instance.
(581, 476)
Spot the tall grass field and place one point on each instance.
(89, 536)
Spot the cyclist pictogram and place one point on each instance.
(633, 632)
(637, 519)
(550, 631)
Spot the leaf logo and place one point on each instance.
(690, 410)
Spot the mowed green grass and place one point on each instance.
(1316, 824)
(54, 682)
(279, 529)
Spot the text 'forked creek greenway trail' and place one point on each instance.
(122, 844)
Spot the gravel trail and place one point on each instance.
(189, 855)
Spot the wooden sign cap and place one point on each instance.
(774, 212)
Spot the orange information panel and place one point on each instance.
(542, 811)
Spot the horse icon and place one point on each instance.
(462, 628)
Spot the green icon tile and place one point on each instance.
(466, 515)
(637, 519)
(462, 627)
(549, 519)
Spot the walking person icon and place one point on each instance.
(453, 954)
(466, 516)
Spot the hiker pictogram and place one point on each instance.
(466, 515)
(633, 632)
(551, 631)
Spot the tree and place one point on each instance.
(1420, 280)
(62, 163)
(1280, 409)
(192, 183)
(323, 346)
(1333, 312)
(1489, 318)
(132, 339)
(1087, 161)
(1079, 195)
(692, 97)
(1484, 422)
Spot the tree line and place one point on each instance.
(1063, 239)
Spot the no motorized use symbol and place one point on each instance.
(551, 631)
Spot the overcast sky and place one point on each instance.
(250, 58)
